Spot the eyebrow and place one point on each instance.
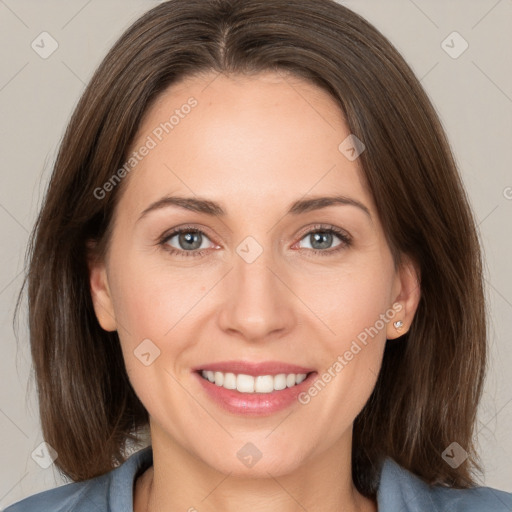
(208, 207)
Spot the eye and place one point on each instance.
(185, 240)
(191, 241)
(321, 239)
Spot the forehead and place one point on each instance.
(246, 138)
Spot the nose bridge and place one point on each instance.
(255, 304)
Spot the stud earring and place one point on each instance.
(398, 324)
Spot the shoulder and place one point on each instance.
(400, 489)
(70, 497)
(112, 491)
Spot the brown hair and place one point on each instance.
(430, 384)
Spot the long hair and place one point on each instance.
(430, 383)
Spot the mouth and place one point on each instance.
(256, 389)
(244, 383)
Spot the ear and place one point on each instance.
(407, 293)
(100, 291)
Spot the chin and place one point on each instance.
(250, 462)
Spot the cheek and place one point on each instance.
(348, 371)
(151, 300)
(351, 300)
(155, 304)
(355, 308)
(154, 309)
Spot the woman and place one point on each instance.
(255, 243)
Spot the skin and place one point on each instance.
(254, 144)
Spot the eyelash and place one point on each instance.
(346, 241)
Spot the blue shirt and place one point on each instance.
(399, 491)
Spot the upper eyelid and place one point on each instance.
(324, 227)
(186, 228)
(307, 231)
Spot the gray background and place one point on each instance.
(472, 93)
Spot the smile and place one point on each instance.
(271, 388)
(253, 384)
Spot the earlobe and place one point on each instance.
(406, 300)
(101, 296)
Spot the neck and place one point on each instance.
(178, 480)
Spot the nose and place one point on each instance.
(258, 304)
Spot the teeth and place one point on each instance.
(249, 384)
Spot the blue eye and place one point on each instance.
(190, 241)
(323, 239)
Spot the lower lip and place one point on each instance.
(254, 404)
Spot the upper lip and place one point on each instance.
(252, 368)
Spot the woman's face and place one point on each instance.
(262, 273)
